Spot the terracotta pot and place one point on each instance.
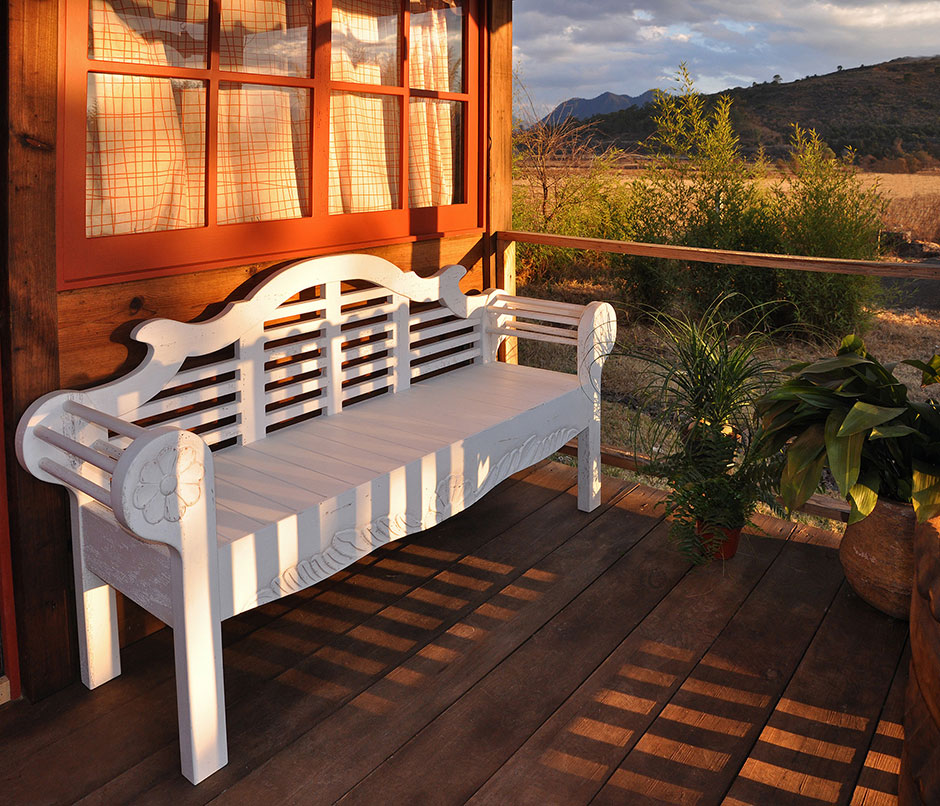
(877, 555)
(725, 545)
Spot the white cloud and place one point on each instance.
(569, 48)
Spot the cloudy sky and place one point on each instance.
(581, 48)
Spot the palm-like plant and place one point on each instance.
(697, 421)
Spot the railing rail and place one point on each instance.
(871, 268)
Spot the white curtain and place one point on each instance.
(257, 165)
(430, 128)
(365, 155)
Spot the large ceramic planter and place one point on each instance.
(877, 555)
(919, 783)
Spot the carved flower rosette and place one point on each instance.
(169, 484)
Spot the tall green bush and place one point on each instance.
(826, 211)
(700, 191)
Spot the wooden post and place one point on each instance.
(38, 518)
(501, 259)
(9, 656)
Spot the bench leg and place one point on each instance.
(96, 610)
(589, 467)
(197, 644)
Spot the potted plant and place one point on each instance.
(697, 424)
(850, 414)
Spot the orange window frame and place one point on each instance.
(83, 261)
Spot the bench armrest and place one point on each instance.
(158, 485)
(592, 328)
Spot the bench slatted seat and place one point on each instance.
(341, 405)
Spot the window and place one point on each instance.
(198, 133)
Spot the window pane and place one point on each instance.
(145, 154)
(365, 36)
(162, 32)
(272, 37)
(435, 153)
(263, 153)
(435, 60)
(365, 152)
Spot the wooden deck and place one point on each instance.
(523, 652)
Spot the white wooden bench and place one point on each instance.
(232, 467)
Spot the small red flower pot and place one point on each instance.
(723, 545)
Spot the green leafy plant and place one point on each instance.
(824, 209)
(851, 414)
(698, 424)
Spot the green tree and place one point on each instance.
(700, 192)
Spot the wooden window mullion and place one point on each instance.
(212, 114)
(405, 117)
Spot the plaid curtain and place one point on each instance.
(430, 128)
(365, 144)
(142, 172)
(145, 157)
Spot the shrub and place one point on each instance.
(700, 191)
(826, 211)
(561, 185)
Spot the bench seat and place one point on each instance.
(280, 502)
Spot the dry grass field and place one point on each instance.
(914, 205)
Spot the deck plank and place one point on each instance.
(815, 742)
(577, 749)
(878, 783)
(285, 702)
(93, 736)
(508, 705)
(693, 750)
(416, 692)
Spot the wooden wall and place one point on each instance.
(72, 339)
(40, 547)
(95, 323)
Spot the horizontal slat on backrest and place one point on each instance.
(295, 358)
(328, 346)
(441, 341)
(201, 397)
(368, 342)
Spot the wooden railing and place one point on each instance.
(758, 260)
(819, 505)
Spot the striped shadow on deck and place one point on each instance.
(521, 653)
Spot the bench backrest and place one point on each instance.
(313, 338)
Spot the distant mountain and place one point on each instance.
(603, 104)
(888, 112)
